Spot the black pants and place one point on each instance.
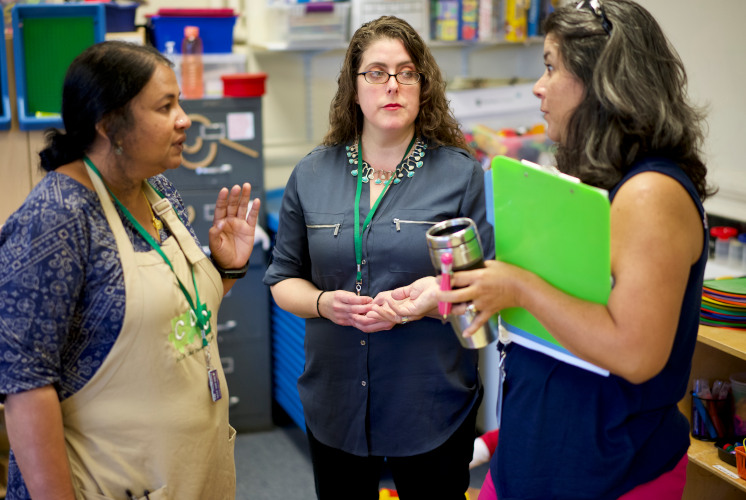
(440, 474)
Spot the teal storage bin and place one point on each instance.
(46, 39)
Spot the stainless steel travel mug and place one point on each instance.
(460, 238)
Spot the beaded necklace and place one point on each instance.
(406, 168)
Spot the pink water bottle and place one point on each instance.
(192, 83)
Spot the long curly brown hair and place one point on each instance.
(435, 121)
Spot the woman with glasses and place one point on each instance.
(376, 385)
(614, 98)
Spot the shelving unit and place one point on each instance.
(719, 352)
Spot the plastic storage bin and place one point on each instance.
(741, 462)
(120, 17)
(214, 67)
(244, 84)
(317, 23)
(46, 38)
(215, 28)
(4, 96)
(415, 12)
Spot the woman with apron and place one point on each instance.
(110, 369)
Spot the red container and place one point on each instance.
(741, 462)
(243, 84)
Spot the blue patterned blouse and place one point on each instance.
(61, 290)
(61, 286)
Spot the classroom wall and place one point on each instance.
(709, 37)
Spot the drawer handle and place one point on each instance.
(227, 326)
(225, 168)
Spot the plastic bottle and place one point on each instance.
(170, 51)
(722, 235)
(192, 83)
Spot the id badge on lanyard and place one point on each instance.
(503, 342)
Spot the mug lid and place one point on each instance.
(451, 233)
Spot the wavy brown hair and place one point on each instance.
(635, 101)
(435, 122)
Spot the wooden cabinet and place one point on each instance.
(719, 353)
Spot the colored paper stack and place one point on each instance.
(724, 303)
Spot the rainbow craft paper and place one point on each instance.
(724, 303)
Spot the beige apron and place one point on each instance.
(146, 420)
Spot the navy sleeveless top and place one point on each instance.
(569, 433)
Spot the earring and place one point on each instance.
(118, 149)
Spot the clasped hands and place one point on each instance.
(387, 309)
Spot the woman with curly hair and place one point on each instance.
(376, 385)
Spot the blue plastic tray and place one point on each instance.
(46, 38)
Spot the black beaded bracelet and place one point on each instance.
(230, 274)
(318, 299)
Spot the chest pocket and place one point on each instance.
(408, 241)
(324, 242)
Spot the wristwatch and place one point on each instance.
(230, 274)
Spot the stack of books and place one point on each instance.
(724, 303)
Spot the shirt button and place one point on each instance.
(362, 342)
(364, 262)
(364, 383)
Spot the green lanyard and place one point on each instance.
(200, 312)
(359, 230)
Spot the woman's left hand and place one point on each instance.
(233, 226)
(408, 303)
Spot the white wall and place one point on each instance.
(709, 37)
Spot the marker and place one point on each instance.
(446, 261)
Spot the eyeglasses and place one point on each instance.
(381, 77)
(598, 10)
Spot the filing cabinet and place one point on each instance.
(223, 148)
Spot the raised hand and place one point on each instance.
(233, 226)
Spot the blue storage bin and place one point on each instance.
(4, 96)
(216, 32)
(46, 39)
(120, 17)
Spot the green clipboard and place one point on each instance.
(558, 228)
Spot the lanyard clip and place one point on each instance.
(358, 286)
